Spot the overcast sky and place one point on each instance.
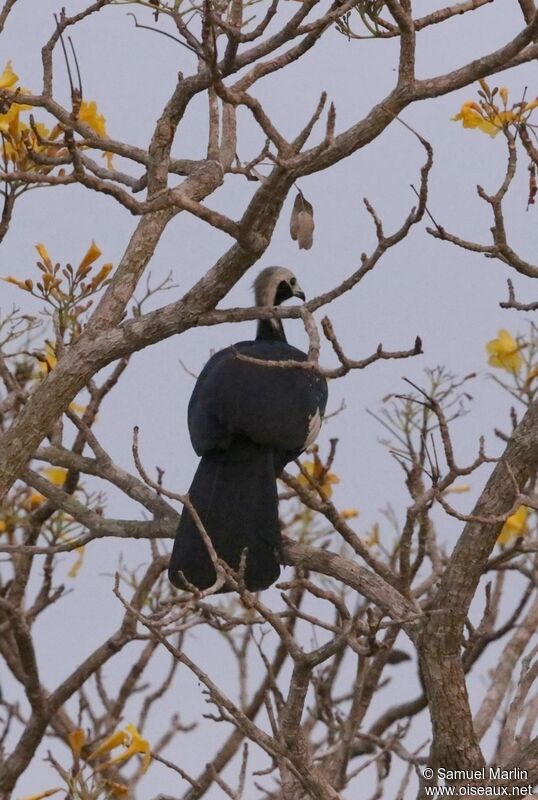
(423, 287)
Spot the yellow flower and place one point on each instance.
(373, 536)
(9, 123)
(531, 106)
(16, 282)
(46, 360)
(471, 117)
(77, 740)
(75, 569)
(319, 475)
(515, 525)
(90, 116)
(504, 118)
(117, 789)
(504, 352)
(137, 745)
(134, 743)
(489, 119)
(3, 526)
(503, 91)
(19, 138)
(41, 795)
(56, 475)
(8, 77)
(349, 513)
(102, 275)
(111, 742)
(92, 254)
(33, 500)
(44, 255)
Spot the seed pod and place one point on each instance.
(305, 230)
(302, 222)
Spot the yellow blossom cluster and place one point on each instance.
(488, 116)
(318, 475)
(27, 145)
(19, 138)
(66, 289)
(315, 474)
(472, 115)
(128, 738)
(26, 500)
(505, 353)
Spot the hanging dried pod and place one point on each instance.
(302, 222)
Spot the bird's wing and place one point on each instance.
(279, 407)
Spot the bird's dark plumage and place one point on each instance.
(246, 421)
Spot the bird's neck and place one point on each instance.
(271, 329)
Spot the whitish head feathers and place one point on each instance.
(267, 283)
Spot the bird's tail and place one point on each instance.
(235, 495)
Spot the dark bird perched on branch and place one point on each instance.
(247, 421)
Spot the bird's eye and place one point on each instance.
(293, 281)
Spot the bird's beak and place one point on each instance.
(298, 292)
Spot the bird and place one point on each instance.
(246, 421)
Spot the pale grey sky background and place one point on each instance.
(423, 287)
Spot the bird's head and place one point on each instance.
(274, 285)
